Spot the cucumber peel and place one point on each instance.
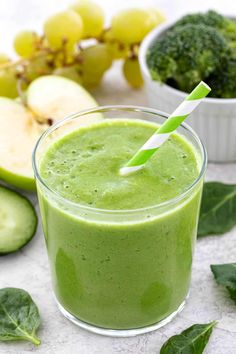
(18, 221)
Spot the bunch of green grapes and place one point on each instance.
(65, 47)
(128, 28)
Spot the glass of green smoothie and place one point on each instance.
(120, 248)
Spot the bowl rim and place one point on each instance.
(145, 45)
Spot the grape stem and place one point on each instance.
(134, 51)
(24, 61)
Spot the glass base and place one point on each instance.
(119, 332)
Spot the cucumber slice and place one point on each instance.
(18, 221)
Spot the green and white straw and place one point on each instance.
(166, 129)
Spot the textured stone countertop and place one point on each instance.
(28, 269)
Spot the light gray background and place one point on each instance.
(28, 268)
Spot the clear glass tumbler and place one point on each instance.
(119, 272)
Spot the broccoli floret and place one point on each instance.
(212, 19)
(188, 54)
(229, 32)
(223, 81)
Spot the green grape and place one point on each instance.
(58, 59)
(117, 50)
(4, 58)
(108, 36)
(96, 60)
(157, 16)
(37, 67)
(70, 72)
(65, 27)
(92, 16)
(8, 83)
(63, 58)
(90, 81)
(132, 72)
(25, 43)
(131, 26)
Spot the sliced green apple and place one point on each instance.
(49, 98)
(56, 97)
(18, 133)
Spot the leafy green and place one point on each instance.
(225, 274)
(19, 316)
(191, 341)
(218, 208)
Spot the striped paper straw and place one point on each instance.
(166, 129)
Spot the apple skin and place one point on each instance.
(19, 181)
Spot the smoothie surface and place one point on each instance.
(83, 166)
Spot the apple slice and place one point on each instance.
(18, 133)
(57, 97)
(20, 127)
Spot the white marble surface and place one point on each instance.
(28, 268)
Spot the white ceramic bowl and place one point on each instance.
(215, 118)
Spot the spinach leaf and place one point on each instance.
(19, 316)
(218, 208)
(225, 274)
(191, 341)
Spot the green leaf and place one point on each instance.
(225, 274)
(19, 316)
(218, 208)
(191, 341)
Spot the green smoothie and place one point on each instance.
(118, 260)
